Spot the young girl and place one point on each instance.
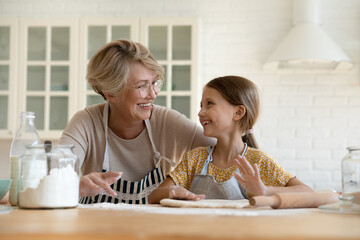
(234, 168)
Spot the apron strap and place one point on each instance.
(105, 118)
(157, 155)
(210, 158)
(242, 189)
(242, 154)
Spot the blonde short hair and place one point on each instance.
(109, 69)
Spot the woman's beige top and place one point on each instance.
(173, 135)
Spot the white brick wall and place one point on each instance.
(307, 119)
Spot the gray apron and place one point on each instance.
(128, 191)
(206, 184)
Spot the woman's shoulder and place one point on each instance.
(90, 111)
(166, 117)
(164, 112)
(90, 115)
(95, 110)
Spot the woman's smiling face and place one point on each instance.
(130, 103)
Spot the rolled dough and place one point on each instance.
(205, 203)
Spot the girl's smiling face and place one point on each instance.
(216, 114)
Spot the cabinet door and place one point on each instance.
(96, 32)
(8, 77)
(48, 73)
(174, 43)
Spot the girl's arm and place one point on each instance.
(168, 189)
(251, 180)
(293, 185)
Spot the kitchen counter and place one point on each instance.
(155, 222)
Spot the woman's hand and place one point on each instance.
(178, 192)
(95, 183)
(250, 177)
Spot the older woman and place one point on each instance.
(127, 135)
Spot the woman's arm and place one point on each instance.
(186, 132)
(168, 189)
(77, 133)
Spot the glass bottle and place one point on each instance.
(25, 135)
(350, 169)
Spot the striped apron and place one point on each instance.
(204, 183)
(128, 191)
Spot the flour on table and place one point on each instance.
(205, 203)
(159, 209)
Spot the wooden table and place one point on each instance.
(90, 223)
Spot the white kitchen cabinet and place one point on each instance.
(43, 65)
(174, 43)
(48, 72)
(8, 75)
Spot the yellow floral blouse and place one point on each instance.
(271, 173)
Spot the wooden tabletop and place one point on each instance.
(100, 223)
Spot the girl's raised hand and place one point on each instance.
(250, 177)
(178, 192)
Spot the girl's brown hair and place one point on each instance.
(240, 91)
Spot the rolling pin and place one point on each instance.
(294, 200)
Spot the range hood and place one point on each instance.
(307, 45)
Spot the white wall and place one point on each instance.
(308, 118)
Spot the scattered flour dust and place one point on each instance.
(158, 209)
(60, 189)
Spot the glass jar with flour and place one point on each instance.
(48, 177)
(350, 168)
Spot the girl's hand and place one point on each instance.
(250, 177)
(177, 192)
(95, 183)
